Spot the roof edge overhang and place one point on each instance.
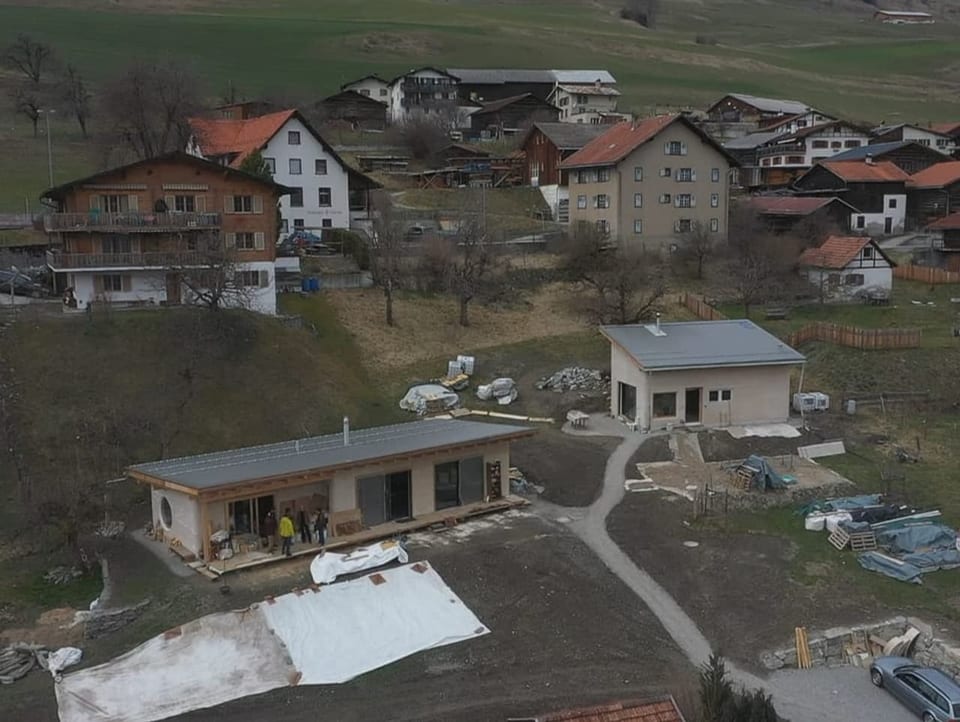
(737, 364)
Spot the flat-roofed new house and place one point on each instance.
(366, 479)
(714, 373)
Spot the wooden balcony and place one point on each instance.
(130, 222)
(163, 259)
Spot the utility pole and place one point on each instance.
(46, 114)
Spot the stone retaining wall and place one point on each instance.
(827, 647)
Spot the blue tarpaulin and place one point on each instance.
(933, 561)
(842, 503)
(876, 562)
(923, 538)
(765, 477)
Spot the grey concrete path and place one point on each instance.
(800, 696)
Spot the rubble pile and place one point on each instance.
(62, 575)
(520, 485)
(575, 378)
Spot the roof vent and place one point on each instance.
(869, 159)
(655, 329)
(346, 431)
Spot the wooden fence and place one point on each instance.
(701, 308)
(862, 338)
(926, 274)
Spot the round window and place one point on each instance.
(166, 513)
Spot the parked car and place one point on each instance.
(301, 243)
(23, 285)
(929, 692)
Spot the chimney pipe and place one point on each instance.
(658, 322)
(869, 159)
(346, 431)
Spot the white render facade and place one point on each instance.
(816, 145)
(426, 91)
(300, 161)
(889, 222)
(869, 272)
(371, 87)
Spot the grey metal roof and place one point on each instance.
(571, 136)
(583, 77)
(702, 344)
(499, 76)
(773, 105)
(872, 150)
(752, 140)
(239, 466)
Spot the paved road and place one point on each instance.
(822, 695)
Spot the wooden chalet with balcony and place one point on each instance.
(144, 233)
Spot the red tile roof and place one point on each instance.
(947, 223)
(662, 710)
(788, 205)
(952, 128)
(243, 137)
(859, 171)
(618, 142)
(836, 252)
(936, 176)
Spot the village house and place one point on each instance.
(149, 232)
(547, 145)
(903, 17)
(946, 240)
(423, 92)
(643, 182)
(951, 128)
(908, 155)
(877, 190)
(785, 157)
(244, 110)
(711, 373)
(801, 214)
(508, 116)
(484, 85)
(324, 191)
(738, 114)
(360, 111)
(590, 103)
(846, 268)
(929, 137)
(370, 86)
(371, 483)
(933, 193)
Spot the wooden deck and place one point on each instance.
(249, 560)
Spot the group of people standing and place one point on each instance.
(311, 528)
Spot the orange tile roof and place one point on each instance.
(222, 137)
(618, 142)
(946, 128)
(859, 171)
(789, 205)
(947, 223)
(836, 252)
(661, 710)
(936, 176)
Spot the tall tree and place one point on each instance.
(471, 264)
(149, 106)
(32, 58)
(213, 277)
(77, 96)
(698, 245)
(255, 164)
(28, 102)
(387, 252)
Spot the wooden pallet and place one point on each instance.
(803, 648)
(858, 541)
(744, 476)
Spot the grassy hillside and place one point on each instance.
(827, 52)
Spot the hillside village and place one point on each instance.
(484, 397)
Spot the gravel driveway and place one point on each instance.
(829, 695)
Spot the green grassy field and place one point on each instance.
(299, 49)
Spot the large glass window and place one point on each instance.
(447, 485)
(665, 405)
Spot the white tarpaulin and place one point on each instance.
(308, 637)
(328, 566)
(783, 430)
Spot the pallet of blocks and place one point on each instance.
(864, 540)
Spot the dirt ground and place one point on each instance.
(564, 632)
(652, 450)
(737, 587)
(718, 445)
(570, 468)
(428, 327)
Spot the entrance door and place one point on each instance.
(888, 225)
(628, 401)
(264, 505)
(173, 289)
(373, 500)
(398, 495)
(471, 480)
(692, 406)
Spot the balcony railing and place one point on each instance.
(131, 222)
(156, 259)
(780, 149)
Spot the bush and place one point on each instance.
(349, 244)
(638, 16)
(702, 39)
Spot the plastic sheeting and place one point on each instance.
(888, 566)
(61, 659)
(429, 398)
(765, 477)
(926, 537)
(933, 561)
(308, 637)
(842, 503)
(328, 566)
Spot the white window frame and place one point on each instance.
(320, 166)
(329, 193)
(581, 202)
(714, 225)
(638, 200)
(715, 175)
(638, 226)
(295, 166)
(293, 137)
(714, 200)
(638, 174)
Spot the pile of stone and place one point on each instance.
(17, 660)
(519, 484)
(62, 575)
(575, 378)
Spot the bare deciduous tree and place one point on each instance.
(698, 244)
(29, 57)
(625, 285)
(387, 252)
(471, 264)
(423, 136)
(149, 106)
(77, 96)
(213, 277)
(28, 102)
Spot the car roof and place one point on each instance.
(942, 681)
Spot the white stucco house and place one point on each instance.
(371, 86)
(425, 92)
(322, 186)
(710, 373)
(848, 267)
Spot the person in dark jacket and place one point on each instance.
(304, 526)
(268, 531)
(320, 526)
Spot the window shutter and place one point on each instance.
(228, 204)
(264, 279)
(258, 240)
(683, 149)
(171, 202)
(693, 174)
(666, 148)
(676, 174)
(125, 283)
(201, 204)
(676, 202)
(94, 202)
(676, 226)
(132, 202)
(693, 201)
(231, 239)
(258, 204)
